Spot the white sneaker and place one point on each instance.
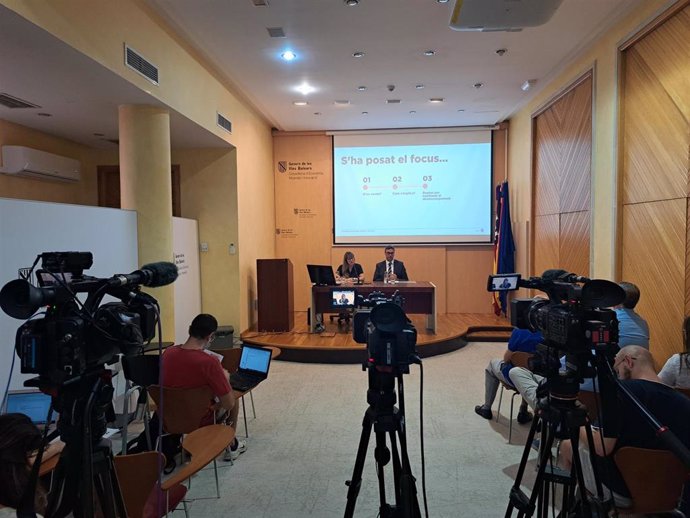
(231, 454)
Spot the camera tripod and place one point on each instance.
(385, 418)
(86, 463)
(560, 416)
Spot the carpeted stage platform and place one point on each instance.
(336, 345)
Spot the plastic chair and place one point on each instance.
(592, 402)
(654, 478)
(203, 445)
(518, 359)
(183, 412)
(138, 477)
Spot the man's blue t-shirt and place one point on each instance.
(632, 328)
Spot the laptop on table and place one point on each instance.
(33, 403)
(254, 364)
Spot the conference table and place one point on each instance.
(419, 297)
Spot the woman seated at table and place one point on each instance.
(349, 271)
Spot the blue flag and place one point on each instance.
(504, 245)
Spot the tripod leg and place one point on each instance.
(397, 468)
(516, 494)
(382, 455)
(355, 483)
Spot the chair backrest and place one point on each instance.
(654, 478)
(685, 391)
(231, 358)
(591, 400)
(137, 475)
(183, 409)
(142, 370)
(520, 359)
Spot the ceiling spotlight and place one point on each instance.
(44, 114)
(528, 84)
(300, 103)
(478, 85)
(341, 102)
(288, 55)
(461, 110)
(500, 52)
(442, 1)
(429, 52)
(436, 100)
(365, 113)
(361, 88)
(305, 88)
(358, 54)
(351, 3)
(419, 87)
(412, 112)
(317, 113)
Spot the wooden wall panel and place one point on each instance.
(467, 273)
(576, 157)
(574, 242)
(562, 151)
(655, 226)
(655, 136)
(654, 259)
(546, 247)
(547, 152)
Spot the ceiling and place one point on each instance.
(82, 96)
(393, 34)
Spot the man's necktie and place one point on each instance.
(390, 268)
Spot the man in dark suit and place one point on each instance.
(390, 268)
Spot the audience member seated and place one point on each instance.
(521, 340)
(676, 371)
(349, 271)
(624, 426)
(189, 366)
(19, 441)
(390, 269)
(631, 327)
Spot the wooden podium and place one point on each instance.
(275, 294)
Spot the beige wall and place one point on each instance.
(82, 192)
(242, 202)
(603, 58)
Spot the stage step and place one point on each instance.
(488, 336)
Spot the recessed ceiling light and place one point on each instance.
(528, 84)
(436, 100)
(341, 102)
(305, 88)
(412, 112)
(461, 110)
(361, 88)
(429, 52)
(478, 85)
(365, 113)
(317, 113)
(358, 54)
(442, 1)
(351, 3)
(300, 103)
(419, 87)
(44, 114)
(288, 55)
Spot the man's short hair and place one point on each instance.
(202, 326)
(389, 247)
(641, 355)
(632, 294)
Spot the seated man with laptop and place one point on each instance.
(188, 366)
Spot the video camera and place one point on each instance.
(75, 338)
(382, 324)
(575, 315)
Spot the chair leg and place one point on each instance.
(500, 398)
(251, 398)
(186, 511)
(215, 471)
(244, 414)
(510, 426)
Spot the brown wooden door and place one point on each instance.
(109, 187)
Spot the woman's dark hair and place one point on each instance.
(19, 439)
(345, 268)
(202, 326)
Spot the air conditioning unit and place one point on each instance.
(501, 15)
(25, 161)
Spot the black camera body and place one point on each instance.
(391, 338)
(75, 338)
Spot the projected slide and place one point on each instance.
(429, 193)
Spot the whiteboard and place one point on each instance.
(188, 283)
(28, 228)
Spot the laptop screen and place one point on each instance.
(255, 359)
(34, 404)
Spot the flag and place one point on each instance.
(504, 246)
